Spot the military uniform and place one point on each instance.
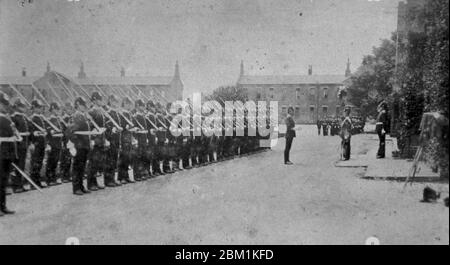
(382, 128)
(39, 139)
(8, 152)
(80, 136)
(98, 153)
(23, 125)
(55, 142)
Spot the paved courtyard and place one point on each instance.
(249, 200)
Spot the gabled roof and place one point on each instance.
(290, 79)
(126, 80)
(18, 80)
(111, 80)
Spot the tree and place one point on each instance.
(229, 93)
(373, 80)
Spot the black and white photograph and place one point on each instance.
(224, 123)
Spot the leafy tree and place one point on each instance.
(373, 80)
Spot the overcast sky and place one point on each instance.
(208, 37)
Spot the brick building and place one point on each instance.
(312, 96)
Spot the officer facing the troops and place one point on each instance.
(8, 149)
(290, 135)
(382, 128)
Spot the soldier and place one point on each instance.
(101, 144)
(382, 128)
(346, 134)
(114, 136)
(55, 142)
(39, 141)
(319, 126)
(324, 127)
(141, 163)
(8, 150)
(79, 145)
(129, 143)
(23, 125)
(66, 158)
(290, 135)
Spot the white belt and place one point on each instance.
(379, 123)
(24, 134)
(141, 132)
(87, 133)
(57, 135)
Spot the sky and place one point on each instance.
(209, 38)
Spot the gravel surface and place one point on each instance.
(249, 200)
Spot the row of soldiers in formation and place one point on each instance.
(332, 126)
(123, 141)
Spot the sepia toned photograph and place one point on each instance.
(224, 122)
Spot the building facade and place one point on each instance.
(56, 86)
(312, 96)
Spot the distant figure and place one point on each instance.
(325, 128)
(319, 126)
(346, 134)
(382, 127)
(290, 135)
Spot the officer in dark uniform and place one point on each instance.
(346, 134)
(80, 145)
(382, 128)
(23, 125)
(8, 149)
(55, 142)
(290, 135)
(39, 140)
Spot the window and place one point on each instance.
(258, 96)
(338, 111)
(311, 113)
(312, 91)
(297, 93)
(325, 92)
(297, 111)
(325, 110)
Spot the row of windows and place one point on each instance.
(297, 94)
(311, 110)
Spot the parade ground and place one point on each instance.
(248, 200)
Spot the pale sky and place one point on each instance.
(208, 37)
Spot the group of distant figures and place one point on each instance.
(332, 126)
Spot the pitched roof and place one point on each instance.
(18, 80)
(111, 80)
(290, 79)
(126, 80)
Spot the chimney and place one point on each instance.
(177, 71)
(48, 67)
(81, 73)
(310, 70)
(122, 72)
(348, 72)
(24, 71)
(241, 73)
